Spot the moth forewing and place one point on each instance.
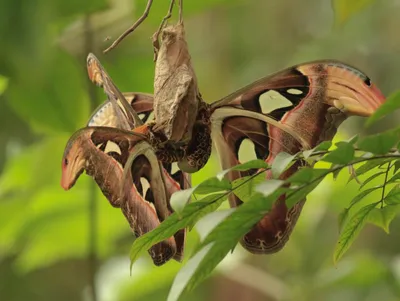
(122, 107)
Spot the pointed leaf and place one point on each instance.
(393, 197)
(343, 154)
(382, 217)
(391, 104)
(396, 166)
(395, 178)
(206, 224)
(336, 170)
(369, 179)
(351, 231)
(362, 195)
(352, 140)
(253, 164)
(306, 175)
(269, 186)
(342, 218)
(379, 144)
(186, 273)
(370, 165)
(180, 198)
(301, 193)
(223, 239)
(323, 146)
(243, 187)
(190, 214)
(212, 185)
(281, 162)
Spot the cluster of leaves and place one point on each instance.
(221, 230)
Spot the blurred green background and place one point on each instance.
(57, 245)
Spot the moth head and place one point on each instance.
(74, 159)
(352, 92)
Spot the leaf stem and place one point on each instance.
(92, 206)
(385, 182)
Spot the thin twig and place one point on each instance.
(132, 28)
(180, 11)
(92, 208)
(385, 182)
(155, 38)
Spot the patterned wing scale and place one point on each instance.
(314, 99)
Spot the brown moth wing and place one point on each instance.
(320, 95)
(103, 153)
(143, 164)
(106, 157)
(176, 95)
(143, 104)
(127, 117)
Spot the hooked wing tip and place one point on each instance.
(64, 183)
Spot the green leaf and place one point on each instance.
(381, 143)
(336, 170)
(344, 9)
(362, 195)
(301, 193)
(190, 215)
(253, 164)
(393, 197)
(180, 198)
(369, 179)
(212, 185)
(396, 166)
(269, 186)
(243, 187)
(342, 218)
(352, 140)
(206, 224)
(371, 164)
(343, 154)
(323, 146)
(391, 104)
(186, 273)
(351, 231)
(382, 217)
(280, 163)
(395, 178)
(306, 175)
(222, 240)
